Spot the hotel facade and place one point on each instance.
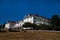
(32, 18)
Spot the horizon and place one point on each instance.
(13, 10)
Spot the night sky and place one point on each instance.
(13, 10)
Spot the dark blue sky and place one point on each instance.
(16, 9)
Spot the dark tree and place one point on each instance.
(1, 26)
(45, 27)
(27, 24)
(54, 20)
(58, 24)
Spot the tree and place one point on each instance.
(54, 20)
(45, 27)
(34, 26)
(28, 24)
(58, 24)
(1, 27)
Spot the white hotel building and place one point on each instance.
(30, 18)
(34, 19)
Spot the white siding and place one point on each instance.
(7, 26)
(29, 19)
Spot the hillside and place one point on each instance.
(30, 35)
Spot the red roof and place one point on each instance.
(11, 22)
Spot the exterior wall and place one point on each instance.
(29, 19)
(39, 20)
(20, 23)
(28, 28)
(16, 25)
(34, 19)
(7, 26)
(12, 26)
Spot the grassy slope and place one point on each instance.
(30, 35)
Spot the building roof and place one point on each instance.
(11, 22)
(29, 15)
